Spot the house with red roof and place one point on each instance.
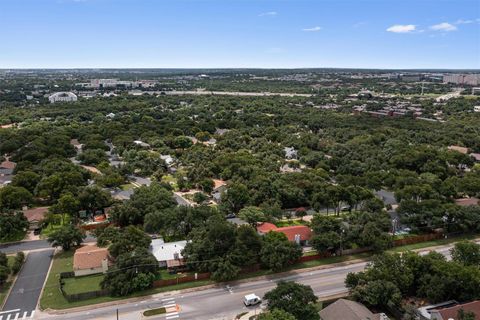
(300, 234)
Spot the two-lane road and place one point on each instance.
(224, 302)
(22, 301)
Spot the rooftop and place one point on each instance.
(35, 214)
(88, 257)
(165, 251)
(347, 310)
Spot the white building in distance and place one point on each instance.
(62, 97)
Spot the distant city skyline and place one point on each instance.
(389, 34)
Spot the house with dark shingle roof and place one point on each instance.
(349, 310)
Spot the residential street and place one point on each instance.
(22, 301)
(31, 245)
(223, 302)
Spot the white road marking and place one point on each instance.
(24, 315)
(166, 299)
(8, 311)
(172, 315)
(1, 317)
(33, 313)
(16, 316)
(9, 315)
(169, 305)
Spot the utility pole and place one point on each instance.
(117, 313)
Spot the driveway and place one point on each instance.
(23, 299)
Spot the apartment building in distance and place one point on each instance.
(462, 79)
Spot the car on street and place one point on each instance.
(251, 300)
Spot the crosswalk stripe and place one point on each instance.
(24, 315)
(171, 314)
(172, 317)
(8, 316)
(1, 317)
(166, 299)
(33, 313)
(169, 305)
(8, 311)
(16, 315)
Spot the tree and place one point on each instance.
(294, 298)
(276, 314)
(133, 271)
(66, 237)
(377, 293)
(123, 240)
(18, 262)
(252, 215)
(92, 157)
(329, 241)
(277, 252)
(466, 253)
(225, 270)
(12, 226)
(68, 204)
(92, 198)
(14, 197)
(145, 200)
(27, 180)
(235, 197)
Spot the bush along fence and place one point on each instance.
(205, 276)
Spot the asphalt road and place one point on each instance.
(24, 246)
(22, 301)
(222, 302)
(15, 247)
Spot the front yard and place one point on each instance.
(4, 289)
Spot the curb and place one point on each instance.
(15, 277)
(219, 284)
(200, 288)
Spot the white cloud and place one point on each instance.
(461, 21)
(402, 28)
(360, 24)
(314, 29)
(269, 13)
(444, 26)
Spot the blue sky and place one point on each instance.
(240, 33)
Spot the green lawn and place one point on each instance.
(54, 225)
(127, 186)
(83, 284)
(51, 296)
(432, 243)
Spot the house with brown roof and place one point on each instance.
(465, 202)
(299, 234)
(349, 310)
(35, 216)
(452, 312)
(7, 167)
(90, 259)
